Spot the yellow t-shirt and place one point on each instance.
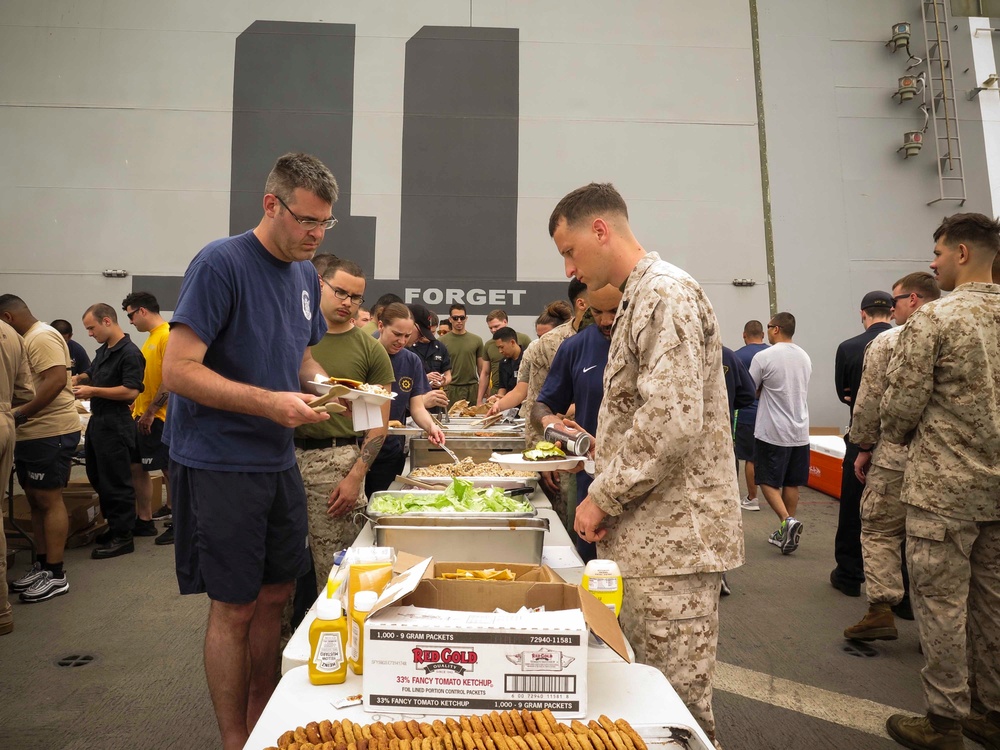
(46, 349)
(152, 350)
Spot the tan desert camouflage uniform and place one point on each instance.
(944, 400)
(322, 470)
(665, 475)
(883, 515)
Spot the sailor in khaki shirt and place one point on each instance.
(943, 401)
(664, 503)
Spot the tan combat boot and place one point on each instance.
(877, 625)
(931, 732)
(984, 729)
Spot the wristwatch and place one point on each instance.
(19, 419)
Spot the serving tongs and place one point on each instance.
(422, 485)
(487, 421)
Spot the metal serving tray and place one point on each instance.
(463, 537)
(373, 515)
(479, 449)
(507, 483)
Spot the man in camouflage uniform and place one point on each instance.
(943, 402)
(883, 516)
(664, 502)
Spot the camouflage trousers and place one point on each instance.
(883, 529)
(955, 593)
(322, 470)
(672, 623)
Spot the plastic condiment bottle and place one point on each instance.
(363, 603)
(603, 579)
(327, 639)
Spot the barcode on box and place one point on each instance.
(539, 683)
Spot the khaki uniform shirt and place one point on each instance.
(535, 365)
(664, 449)
(15, 375)
(943, 400)
(866, 422)
(46, 348)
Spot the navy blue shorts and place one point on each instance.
(45, 462)
(152, 451)
(235, 531)
(743, 442)
(780, 466)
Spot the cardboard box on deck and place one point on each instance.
(82, 510)
(435, 645)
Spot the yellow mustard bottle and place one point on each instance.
(363, 603)
(327, 642)
(603, 579)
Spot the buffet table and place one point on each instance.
(635, 692)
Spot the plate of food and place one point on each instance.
(545, 456)
(353, 390)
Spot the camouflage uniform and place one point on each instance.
(943, 399)
(322, 470)
(883, 515)
(665, 476)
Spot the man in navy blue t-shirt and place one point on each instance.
(577, 377)
(236, 365)
(746, 418)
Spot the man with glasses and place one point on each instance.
(781, 431)
(236, 364)
(876, 314)
(150, 413)
(469, 365)
(879, 467)
(332, 463)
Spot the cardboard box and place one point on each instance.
(435, 646)
(82, 510)
(521, 571)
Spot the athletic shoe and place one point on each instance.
(724, 590)
(750, 504)
(144, 528)
(165, 513)
(793, 531)
(778, 537)
(46, 587)
(167, 537)
(26, 581)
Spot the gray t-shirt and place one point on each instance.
(782, 373)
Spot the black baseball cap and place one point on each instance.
(881, 300)
(422, 317)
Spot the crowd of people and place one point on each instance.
(633, 357)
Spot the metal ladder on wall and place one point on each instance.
(944, 115)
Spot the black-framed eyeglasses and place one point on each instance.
(310, 224)
(459, 318)
(343, 294)
(772, 325)
(898, 297)
(131, 314)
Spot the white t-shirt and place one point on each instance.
(782, 372)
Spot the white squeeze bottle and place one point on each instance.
(328, 642)
(363, 603)
(603, 579)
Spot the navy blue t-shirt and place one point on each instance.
(745, 354)
(257, 315)
(410, 381)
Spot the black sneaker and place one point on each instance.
(119, 545)
(167, 537)
(144, 528)
(46, 587)
(25, 582)
(165, 513)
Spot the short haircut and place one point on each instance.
(446, 323)
(298, 170)
(394, 311)
(386, 299)
(331, 264)
(555, 314)
(63, 326)
(10, 302)
(587, 201)
(363, 309)
(505, 334)
(576, 289)
(496, 315)
(141, 299)
(785, 322)
(977, 230)
(753, 329)
(100, 311)
(878, 312)
(456, 306)
(921, 282)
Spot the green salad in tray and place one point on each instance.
(460, 497)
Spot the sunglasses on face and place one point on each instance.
(459, 318)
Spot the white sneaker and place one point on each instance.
(748, 504)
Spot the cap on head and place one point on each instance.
(877, 300)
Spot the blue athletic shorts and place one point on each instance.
(45, 463)
(780, 466)
(235, 531)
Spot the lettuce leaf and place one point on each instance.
(460, 497)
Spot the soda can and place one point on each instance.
(575, 442)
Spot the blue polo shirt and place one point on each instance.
(745, 354)
(256, 314)
(410, 381)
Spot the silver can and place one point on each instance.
(575, 442)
